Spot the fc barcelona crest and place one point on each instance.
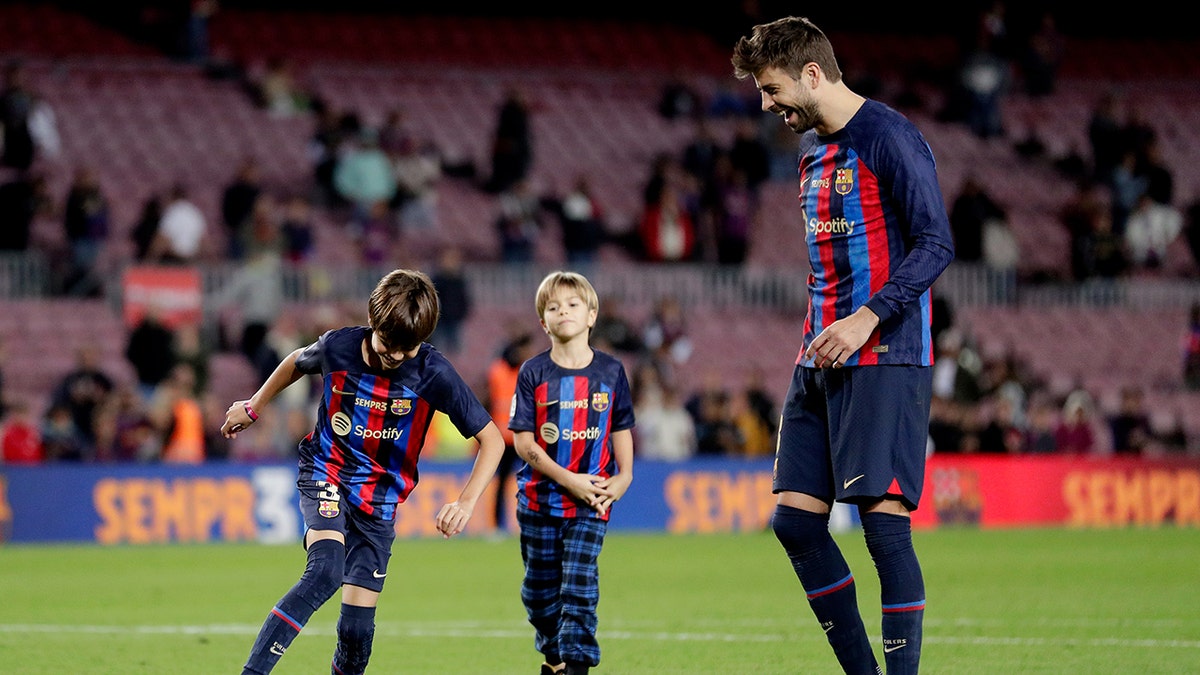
(328, 509)
(843, 182)
(600, 401)
(401, 406)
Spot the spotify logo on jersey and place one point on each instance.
(549, 432)
(340, 423)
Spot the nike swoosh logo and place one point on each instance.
(377, 575)
(543, 405)
(828, 628)
(889, 650)
(277, 650)
(852, 481)
(339, 392)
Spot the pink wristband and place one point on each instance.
(250, 412)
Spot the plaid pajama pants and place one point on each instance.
(562, 584)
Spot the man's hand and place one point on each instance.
(842, 338)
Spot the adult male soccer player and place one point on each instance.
(856, 417)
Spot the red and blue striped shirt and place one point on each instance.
(371, 423)
(877, 233)
(572, 413)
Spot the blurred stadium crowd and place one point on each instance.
(287, 155)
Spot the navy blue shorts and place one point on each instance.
(368, 539)
(855, 434)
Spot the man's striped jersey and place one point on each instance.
(371, 423)
(572, 414)
(877, 233)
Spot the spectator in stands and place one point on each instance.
(716, 432)
(519, 222)
(418, 169)
(761, 401)
(22, 200)
(1099, 252)
(1160, 181)
(277, 90)
(1150, 231)
(956, 368)
(363, 175)
(178, 417)
(1130, 424)
(750, 154)
(666, 331)
(151, 351)
(237, 205)
(946, 424)
(454, 293)
(85, 220)
(1043, 422)
(133, 434)
(678, 99)
(972, 208)
(84, 390)
(1002, 254)
(613, 332)
(1003, 433)
(984, 77)
(296, 228)
(1191, 350)
(20, 438)
(753, 432)
(1076, 432)
(733, 210)
(17, 149)
(181, 231)
(667, 229)
(512, 143)
(1042, 55)
(253, 298)
(665, 429)
(1126, 188)
(582, 221)
(1104, 136)
(144, 232)
(62, 441)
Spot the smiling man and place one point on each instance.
(856, 417)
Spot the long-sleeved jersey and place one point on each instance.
(371, 423)
(877, 233)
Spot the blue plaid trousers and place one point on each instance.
(562, 584)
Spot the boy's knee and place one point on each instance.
(326, 566)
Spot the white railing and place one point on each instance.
(492, 284)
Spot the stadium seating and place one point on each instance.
(145, 122)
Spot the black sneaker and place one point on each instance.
(576, 669)
(548, 669)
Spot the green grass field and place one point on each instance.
(1030, 601)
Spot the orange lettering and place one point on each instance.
(170, 512)
(239, 523)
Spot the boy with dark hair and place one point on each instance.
(572, 420)
(382, 385)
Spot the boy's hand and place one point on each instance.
(452, 519)
(587, 488)
(617, 486)
(236, 419)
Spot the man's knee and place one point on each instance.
(798, 529)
